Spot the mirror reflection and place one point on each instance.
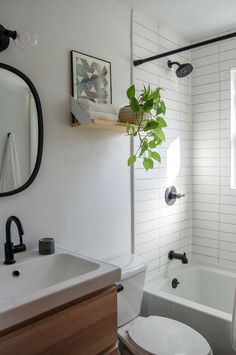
(18, 131)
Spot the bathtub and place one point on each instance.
(203, 299)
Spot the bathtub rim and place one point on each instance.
(153, 286)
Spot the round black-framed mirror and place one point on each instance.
(36, 122)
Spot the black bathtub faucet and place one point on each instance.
(172, 255)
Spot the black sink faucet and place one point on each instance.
(10, 248)
(172, 255)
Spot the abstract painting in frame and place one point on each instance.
(91, 78)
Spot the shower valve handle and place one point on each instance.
(171, 195)
(179, 195)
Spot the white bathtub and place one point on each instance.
(204, 300)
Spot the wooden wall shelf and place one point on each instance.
(103, 124)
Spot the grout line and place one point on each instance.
(209, 256)
(220, 160)
(132, 203)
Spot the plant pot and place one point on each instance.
(127, 116)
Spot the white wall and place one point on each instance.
(214, 203)
(82, 193)
(158, 227)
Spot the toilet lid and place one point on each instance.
(164, 336)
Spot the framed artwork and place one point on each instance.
(91, 78)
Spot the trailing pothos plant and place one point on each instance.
(150, 110)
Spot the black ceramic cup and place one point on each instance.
(46, 246)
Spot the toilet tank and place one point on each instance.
(133, 271)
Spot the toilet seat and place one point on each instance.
(163, 336)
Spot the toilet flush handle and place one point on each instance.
(119, 287)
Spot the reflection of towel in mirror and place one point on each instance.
(10, 177)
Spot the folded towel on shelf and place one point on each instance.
(103, 116)
(91, 106)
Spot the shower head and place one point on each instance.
(182, 70)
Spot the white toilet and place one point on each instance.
(153, 334)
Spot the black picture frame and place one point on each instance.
(40, 130)
(73, 74)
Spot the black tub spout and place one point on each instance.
(172, 255)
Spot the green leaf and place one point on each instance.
(145, 93)
(148, 90)
(152, 144)
(148, 106)
(156, 139)
(131, 160)
(155, 94)
(134, 132)
(128, 126)
(161, 135)
(151, 124)
(161, 108)
(144, 148)
(156, 156)
(134, 105)
(147, 127)
(162, 123)
(148, 163)
(131, 92)
(163, 105)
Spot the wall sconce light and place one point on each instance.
(22, 38)
(5, 36)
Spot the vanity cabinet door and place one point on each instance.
(87, 327)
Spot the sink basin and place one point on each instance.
(40, 273)
(38, 283)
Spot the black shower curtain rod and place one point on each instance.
(182, 49)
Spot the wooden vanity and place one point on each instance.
(86, 326)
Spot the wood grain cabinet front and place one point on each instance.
(85, 327)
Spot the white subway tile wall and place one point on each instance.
(214, 203)
(159, 228)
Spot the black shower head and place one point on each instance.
(182, 70)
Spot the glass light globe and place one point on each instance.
(25, 38)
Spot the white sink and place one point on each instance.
(46, 282)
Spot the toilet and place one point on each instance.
(149, 335)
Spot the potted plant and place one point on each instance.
(150, 110)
